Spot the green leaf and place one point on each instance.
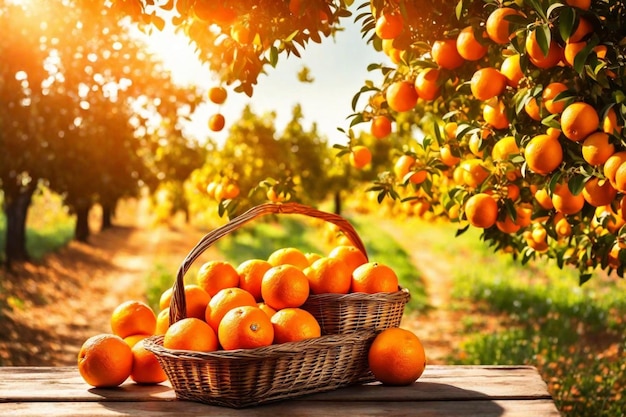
(544, 37)
(576, 184)
(567, 21)
(273, 56)
(584, 278)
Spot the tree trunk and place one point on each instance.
(81, 231)
(16, 211)
(107, 216)
(337, 202)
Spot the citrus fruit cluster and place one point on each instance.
(520, 110)
(255, 304)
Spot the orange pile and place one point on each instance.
(255, 304)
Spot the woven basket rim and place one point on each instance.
(155, 345)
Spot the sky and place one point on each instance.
(338, 66)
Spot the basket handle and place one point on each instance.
(178, 302)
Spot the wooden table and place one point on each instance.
(442, 391)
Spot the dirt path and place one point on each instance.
(56, 305)
(437, 327)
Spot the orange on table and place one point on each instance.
(146, 368)
(350, 254)
(285, 286)
(329, 275)
(374, 277)
(105, 360)
(288, 256)
(190, 334)
(224, 301)
(133, 317)
(294, 325)
(251, 274)
(217, 275)
(397, 357)
(246, 327)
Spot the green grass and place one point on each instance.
(575, 335)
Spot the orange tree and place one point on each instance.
(520, 106)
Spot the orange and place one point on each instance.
(294, 325)
(267, 309)
(565, 202)
(543, 154)
(288, 256)
(214, 12)
(381, 127)
(598, 192)
(403, 166)
(610, 124)
(548, 95)
(508, 225)
(612, 164)
(571, 50)
(105, 360)
(240, 33)
(245, 327)
(473, 172)
(543, 198)
(396, 357)
(284, 286)
(401, 96)
(163, 321)
(217, 122)
(562, 227)
(504, 148)
(224, 301)
(448, 157)
(481, 210)
(597, 148)
(360, 156)
(312, 257)
(498, 28)
(450, 129)
(146, 368)
(536, 55)
(512, 70)
(427, 84)
(532, 109)
(581, 4)
(389, 24)
(468, 46)
(620, 178)
(351, 256)
(190, 334)
(495, 115)
(374, 277)
(217, 275)
(583, 29)
(445, 54)
(329, 275)
(487, 82)
(133, 317)
(251, 274)
(196, 300)
(579, 120)
(217, 95)
(230, 191)
(132, 340)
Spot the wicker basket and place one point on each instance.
(245, 377)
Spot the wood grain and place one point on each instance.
(441, 391)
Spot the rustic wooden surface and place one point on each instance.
(442, 391)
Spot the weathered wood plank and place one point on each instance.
(437, 383)
(475, 408)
